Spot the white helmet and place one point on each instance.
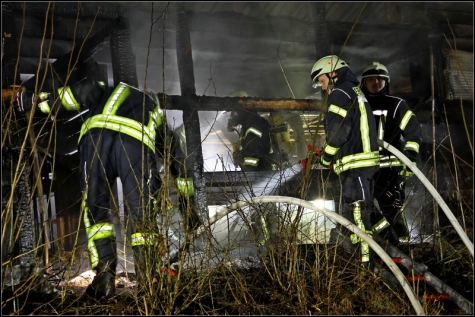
(376, 70)
(326, 65)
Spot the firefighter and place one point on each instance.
(123, 135)
(255, 150)
(351, 147)
(398, 126)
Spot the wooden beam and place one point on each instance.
(209, 103)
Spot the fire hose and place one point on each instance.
(433, 191)
(334, 216)
(374, 245)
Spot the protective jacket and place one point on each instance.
(397, 125)
(121, 135)
(348, 124)
(256, 148)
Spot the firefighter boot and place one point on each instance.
(104, 281)
(139, 253)
(390, 235)
(146, 263)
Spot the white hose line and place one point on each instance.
(433, 191)
(332, 215)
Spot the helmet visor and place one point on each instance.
(315, 75)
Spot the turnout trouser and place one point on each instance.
(357, 192)
(104, 156)
(389, 192)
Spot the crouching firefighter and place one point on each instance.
(256, 150)
(122, 135)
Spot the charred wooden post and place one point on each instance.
(190, 110)
(123, 61)
(322, 43)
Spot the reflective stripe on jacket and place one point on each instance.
(109, 120)
(354, 145)
(398, 126)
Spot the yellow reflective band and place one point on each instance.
(324, 162)
(331, 150)
(359, 157)
(91, 247)
(358, 92)
(93, 254)
(126, 122)
(44, 107)
(251, 161)
(413, 146)
(120, 124)
(138, 239)
(255, 131)
(185, 186)
(364, 128)
(67, 99)
(85, 209)
(156, 119)
(96, 232)
(389, 161)
(339, 111)
(405, 120)
(120, 93)
(43, 95)
(356, 161)
(341, 168)
(364, 252)
(100, 231)
(357, 215)
(355, 239)
(381, 225)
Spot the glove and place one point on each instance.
(304, 163)
(43, 102)
(311, 148)
(24, 101)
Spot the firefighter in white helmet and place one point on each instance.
(398, 126)
(351, 147)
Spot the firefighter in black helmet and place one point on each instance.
(123, 135)
(256, 149)
(398, 126)
(351, 146)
